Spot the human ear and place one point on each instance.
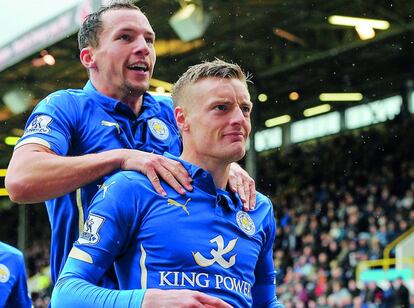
(181, 118)
(87, 57)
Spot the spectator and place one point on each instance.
(373, 294)
(402, 295)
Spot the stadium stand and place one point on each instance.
(339, 202)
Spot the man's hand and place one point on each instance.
(155, 166)
(180, 299)
(244, 185)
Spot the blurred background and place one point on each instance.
(333, 121)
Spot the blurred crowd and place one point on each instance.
(39, 273)
(338, 201)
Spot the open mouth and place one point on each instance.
(140, 67)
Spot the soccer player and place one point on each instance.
(75, 138)
(13, 279)
(168, 249)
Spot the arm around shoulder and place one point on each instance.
(36, 173)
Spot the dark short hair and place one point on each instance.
(91, 28)
(217, 68)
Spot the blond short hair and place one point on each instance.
(214, 69)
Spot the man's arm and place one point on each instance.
(36, 173)
(264, 288)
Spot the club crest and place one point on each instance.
(245, 223)
(159, 129)
(4, 273)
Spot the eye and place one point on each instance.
(246, 109)
(149, 40)
(220, 107)
(125, 37)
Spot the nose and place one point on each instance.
(237, 117)
(141, 46)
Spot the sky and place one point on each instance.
(19, 16)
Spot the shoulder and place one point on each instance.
(64, 95)
(68, 99)
(164, 101)
(10, 255)
(129, 176)
(264, 209)
(128, 184)
(5, 248)
(166, 106)
(123, 188)
(263, 202)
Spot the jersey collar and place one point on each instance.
(150, 106)
(203, 180)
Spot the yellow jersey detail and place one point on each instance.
(183, 206)
(78, 254)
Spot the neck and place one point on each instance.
(135, 103)
(218, 169)
(133, 100)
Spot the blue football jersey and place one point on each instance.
(201, 241)
(13, 279)
(84, 121)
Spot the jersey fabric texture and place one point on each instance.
(13, 279)
(201, 241)
(78, 122)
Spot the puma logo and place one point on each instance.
(110, 124)
(183, 206)
(105, 187)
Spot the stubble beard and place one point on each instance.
(133, 91)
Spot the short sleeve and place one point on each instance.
(52, 123)
(108, 228)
